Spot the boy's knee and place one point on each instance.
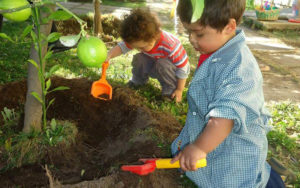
(164, 65)
(137, 59)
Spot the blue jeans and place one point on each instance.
(163, 70)
(275, 180)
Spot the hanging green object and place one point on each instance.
(198, 6)
(91, 51)
(18, 16)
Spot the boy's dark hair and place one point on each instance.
(216, 13)
(140, 25)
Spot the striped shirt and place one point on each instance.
(168, 47)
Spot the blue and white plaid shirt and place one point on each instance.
(229, 85)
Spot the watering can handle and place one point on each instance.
(104, 67)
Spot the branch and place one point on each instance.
(30, 6)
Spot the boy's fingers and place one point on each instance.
(193, 165)
(182, 164)
(173, 95)
(176, 158)
(187, 165)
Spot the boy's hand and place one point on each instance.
(177, 94)
(189, 157)
(107, 59)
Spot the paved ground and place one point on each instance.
(281, 82)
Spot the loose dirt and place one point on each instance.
(110, 134)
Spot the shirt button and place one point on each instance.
(194, 113)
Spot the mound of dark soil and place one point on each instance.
(110, 24)
(111, 133)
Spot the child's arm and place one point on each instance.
(215, 132)
(114, 52)
(177, 94)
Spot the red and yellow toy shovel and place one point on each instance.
(151, 164)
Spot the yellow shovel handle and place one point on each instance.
(166, 163)
(172, 13)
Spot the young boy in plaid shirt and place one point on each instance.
(226, 122)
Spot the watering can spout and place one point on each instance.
(101, 89)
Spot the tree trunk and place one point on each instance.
(97, 19)
(298, 6)
(33, 108)
(1, 21)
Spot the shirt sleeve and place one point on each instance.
(239, 97)
(179, 58)
(124, 47)
(183, 72)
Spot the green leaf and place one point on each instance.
(48, 133)
(53, 124)
(48, 55)
(48, 84)
(33, 63)
(4, 116)
(37, 96)
(60, 88)
(50, 103)
(26, 31)
(60, 15)
(82, 172)
(8, 144)
(45, 20)
(33, 36)
(40, 74)
(198, 6)
(69, 41)
(3, 35)
(43, 37)
(52, 70)
(45, 9)
(53, 37)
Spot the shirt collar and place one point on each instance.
(216, 57)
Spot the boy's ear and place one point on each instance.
(230, 27)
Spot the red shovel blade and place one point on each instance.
(141, 170)
(294, 20)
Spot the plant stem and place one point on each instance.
(41, 68)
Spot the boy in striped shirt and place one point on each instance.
(161, 56)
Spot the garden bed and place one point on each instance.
(110, 25)
(109, 134)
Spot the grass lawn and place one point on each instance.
(13, 64)
(284, 139)
(124, 4)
